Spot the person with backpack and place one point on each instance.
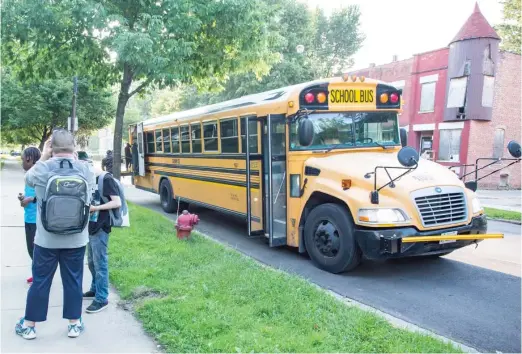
(63, 188)
(106, 200)
(107, 162)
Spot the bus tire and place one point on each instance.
(329, 239)
(168, 203)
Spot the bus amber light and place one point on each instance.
(321, 97)
(346, 184)
(384, 98)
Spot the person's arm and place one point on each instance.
(114, 203)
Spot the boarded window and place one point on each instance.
(457, 92)
(427, 103)
(185, 139)
(166, 140)
(449, 145)
(498, 143)
(159, 141)
(149, 137)
(488, 91)
(229, 135)
(210, 136)
(174, 133)
(196, 138)
(252, 131)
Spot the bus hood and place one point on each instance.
(355, 165)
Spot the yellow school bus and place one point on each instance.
(320, 166)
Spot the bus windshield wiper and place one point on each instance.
(384, 147)
(335, 146)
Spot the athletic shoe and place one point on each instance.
(96, 307)
(30, 280)
(25, 332)
(89, 294)
(76, 329)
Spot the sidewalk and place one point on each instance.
(505, 200)
(112, 330)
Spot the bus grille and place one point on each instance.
(439, 209)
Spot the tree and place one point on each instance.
(329, 43)
(511, 30)
(165, 42)
(31, 111)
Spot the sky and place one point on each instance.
(407, 27)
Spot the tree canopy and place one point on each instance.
(30, 111)
(511, 29)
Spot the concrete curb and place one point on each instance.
(506, 221)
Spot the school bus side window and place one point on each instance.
(149, 136)
(185, 139)
(174, 133)
(159, 141)
(166, 140)
(196, 137)
(229, 136)
(252, 131)
(210, 136)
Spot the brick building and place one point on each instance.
(461, 102)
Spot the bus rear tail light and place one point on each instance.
(309, 98)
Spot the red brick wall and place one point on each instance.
(507, 115)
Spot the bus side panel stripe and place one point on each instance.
(206, 179)
(253, 157)
(202, 168)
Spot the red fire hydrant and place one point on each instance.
(185, 224)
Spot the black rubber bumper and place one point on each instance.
(387, 243)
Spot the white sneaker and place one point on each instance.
(76, 329)
(25, 332)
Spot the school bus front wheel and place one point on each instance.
(330, 240)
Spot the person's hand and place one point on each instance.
(93, 208)
(26, 201)
(47, 151)
(21, 196)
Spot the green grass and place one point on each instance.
(503, 214)
(199, 296)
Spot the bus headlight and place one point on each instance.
(475, 203)
(382, 216)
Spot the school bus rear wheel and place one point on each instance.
(166, 197)
(330, 240)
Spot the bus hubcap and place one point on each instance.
(326, 239)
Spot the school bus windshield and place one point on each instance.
(350, 130)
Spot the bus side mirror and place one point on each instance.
(404, 137)
(408, 157)
(471, 185)
(306, 132)
(514, 149)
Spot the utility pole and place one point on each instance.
(73, 123)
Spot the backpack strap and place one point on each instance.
(70, 164)
(101, 177)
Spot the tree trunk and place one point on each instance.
(46, 134)
(123, 98)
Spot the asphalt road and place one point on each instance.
(472, 296)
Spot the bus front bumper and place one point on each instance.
(408, 241)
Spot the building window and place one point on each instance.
(488, 91)
(149, 137)
(229, 135)
(457, 92)
(174, 133)
(166, 140)
(498, 143)
(159, 141)
(427, 103)
(196, 138)
(185, 139)
(210, 136)
(449, 145)
(252, 131)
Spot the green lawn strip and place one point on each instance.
(200, 296)
(503, 214)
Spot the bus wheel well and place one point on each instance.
(316, 199)
(163, 178)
